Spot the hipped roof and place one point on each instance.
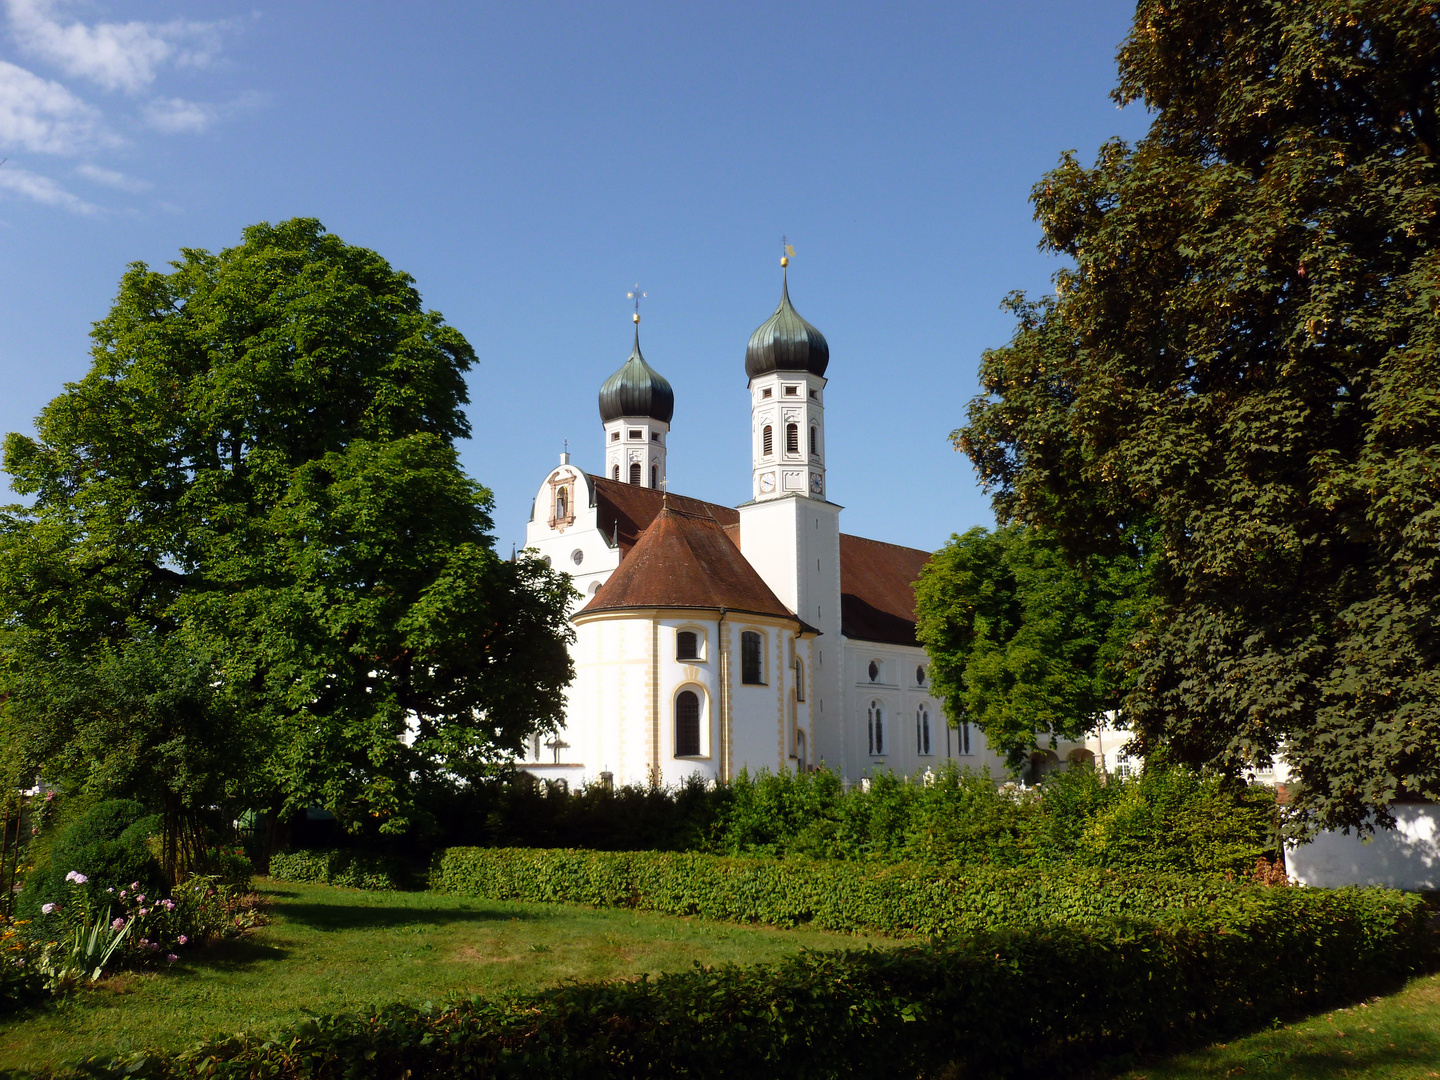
(685, 560)
(877, 598)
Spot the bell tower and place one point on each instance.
(790, 530)
(636, 405)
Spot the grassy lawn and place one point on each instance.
(1391, 1038)
(337, 950)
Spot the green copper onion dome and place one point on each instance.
(636, 389)
(786, 342)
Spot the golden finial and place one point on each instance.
(636, 295)
(786, 254)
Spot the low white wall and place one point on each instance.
(1405, 857)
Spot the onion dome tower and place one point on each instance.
(636, 404)
(785, 362)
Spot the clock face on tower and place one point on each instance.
(817, 484)
(767, 482)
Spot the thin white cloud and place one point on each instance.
(112, 179)
(176, 116)
(42, 116)
(116, 56)
(42, 189)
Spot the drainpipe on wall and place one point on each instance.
(721, 770)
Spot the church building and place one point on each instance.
(710, 638)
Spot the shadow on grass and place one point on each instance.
(237, 955)
(343, 917)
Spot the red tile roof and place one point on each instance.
(685, 560)
(877, 598)
(877, 594)
(626, 510)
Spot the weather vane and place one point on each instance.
(636, 295)
(786, 252)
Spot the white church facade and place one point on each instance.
(711, 639)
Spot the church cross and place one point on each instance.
(636, 295)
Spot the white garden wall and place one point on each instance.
(1406, 857)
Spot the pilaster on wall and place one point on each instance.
(655, 772)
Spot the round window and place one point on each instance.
(546, 560)
(577, 556)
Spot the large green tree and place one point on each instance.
(1025, 644)
(251, 566)
(1243, 350)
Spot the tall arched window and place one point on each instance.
(615, 473)
(814, 431)
(922, 731)
(767, 441)
(965, 738)
(635, 472)
(876, 728)
(792, 438)
(687, 724)
(799, 679)
(562, 501)
(752, 658)
(654, 476)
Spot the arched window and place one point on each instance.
(922, 731)
(965, 737)
(562, 501)
(767, 441)
(687, 645)
(752, 658)
(799, 679)
(615, 473)
(635, 472)
(654, 476)
(792, 438)
(876, 728)
(814, 431)
(874, 671)
(687, 724)
(919, 676)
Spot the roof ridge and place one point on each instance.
(886, 543)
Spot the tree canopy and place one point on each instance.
(251, 566)
(1023, 643)
(1243, 350)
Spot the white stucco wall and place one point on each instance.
(1406, 857)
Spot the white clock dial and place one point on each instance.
(767, 482)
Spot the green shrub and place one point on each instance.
(351, 869)
(1038, 1001)
(1170, 819)
(899, 899)
(107, 844)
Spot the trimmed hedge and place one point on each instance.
(1039, 1001)
(351, 869)
(898, 899)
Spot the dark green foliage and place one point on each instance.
(1168, 819)
(351, 869)
(1245, 357)
(107, 844)
(1034, 1001)
(1023, 643)
(250, 554)
(897, 899)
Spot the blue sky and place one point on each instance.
(528, 163)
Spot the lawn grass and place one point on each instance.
(334, 950)
(1389, 1038)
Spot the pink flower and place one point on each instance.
(172, 958)
(46, 909)
(140, 899)
(134, 884)
(154, 946)
(111, 889)
(122, 894)
(142, 913)
(144, 943)
(182, 939)
(118, 924)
